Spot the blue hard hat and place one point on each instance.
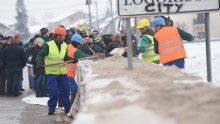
(159, 21)
(76, 38)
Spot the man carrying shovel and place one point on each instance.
(52, 53)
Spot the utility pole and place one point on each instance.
(97, 15)
(88, 2)
(129, 43)
(208, 47)
(113, 20)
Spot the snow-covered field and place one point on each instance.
(196, 61)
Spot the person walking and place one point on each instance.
(147, 42)
(14, 60)
(74, 53)
(54, 52)
(168, 43)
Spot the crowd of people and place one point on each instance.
(46, 48)
(54, 56)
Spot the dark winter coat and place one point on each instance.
(85, 49)
(34, 52)
(29, 45)
(1, 50)
(13, 57)
(46, 39)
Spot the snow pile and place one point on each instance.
(124, 115)
(32, 99)
(196, 60)
(149, 94)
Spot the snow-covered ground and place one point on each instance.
(148, 94)
(196, 61)
(126, 96)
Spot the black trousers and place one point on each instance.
(2, 81)
(13, 77)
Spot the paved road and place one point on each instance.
(15, 111)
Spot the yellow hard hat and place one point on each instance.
(143, 23)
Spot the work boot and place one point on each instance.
(21, 89)
(50, 113)
(8, 94)
(16, 94)
(2, 93)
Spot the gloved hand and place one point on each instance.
(75, 61)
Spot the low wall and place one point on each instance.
(148, 94)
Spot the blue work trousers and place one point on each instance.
(58, 86)
(180, 63)
(72, 85)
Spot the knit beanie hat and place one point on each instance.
(43, 31)
(17, 37)
(97, 39)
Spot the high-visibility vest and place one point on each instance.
(170, 44)
(71, 67)
(54, 56)
(150, 55)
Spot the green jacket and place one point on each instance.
(46, 39)
(145, 40)
(184, 35)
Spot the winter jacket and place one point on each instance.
(13, 57)
(112, 45)
(28, 46)
(147, 50)
(34, 51)
(85, 49)
(145, 40)
(46, 39)
(1, 50)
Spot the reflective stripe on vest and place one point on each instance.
(170, 44)
(53, 59)
(71, 67)
(54, 56)
(150, 55)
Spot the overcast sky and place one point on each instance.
(38, 9)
